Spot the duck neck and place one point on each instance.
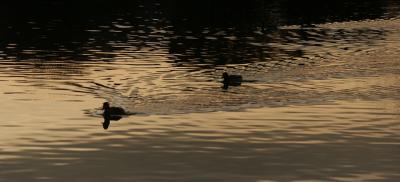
(226, 80)
(106, 111)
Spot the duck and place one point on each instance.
(112, 111)
(231, 80)
(111, 114)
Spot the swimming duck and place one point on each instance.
(111, 114)
(231, 80)
(112, 111)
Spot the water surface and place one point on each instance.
(319, 101)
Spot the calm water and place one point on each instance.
(320, 100)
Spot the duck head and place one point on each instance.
(106, 106)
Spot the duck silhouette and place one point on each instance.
(231, 80)
(111, 114)
(112, 110)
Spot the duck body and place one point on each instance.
(112, 111)
(231, 80)
(115, 111)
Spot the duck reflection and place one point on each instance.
(231, 80)
(111, 114)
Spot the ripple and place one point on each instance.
(319, 102)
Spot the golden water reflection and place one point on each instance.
(341, 140)
(330, 114)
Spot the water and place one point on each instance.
(319, 101)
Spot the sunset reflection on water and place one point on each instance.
(319, 98)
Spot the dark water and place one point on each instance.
(319, 99)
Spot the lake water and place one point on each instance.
(319, 101)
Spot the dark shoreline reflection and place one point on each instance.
(71, 30)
